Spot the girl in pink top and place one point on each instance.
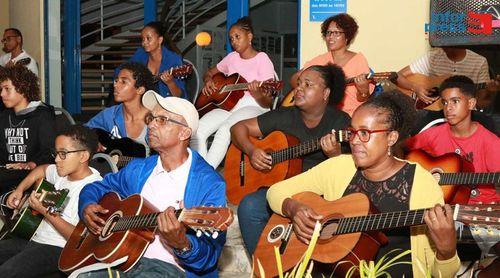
(252, 65)
(338, 32)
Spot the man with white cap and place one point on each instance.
(176, 176)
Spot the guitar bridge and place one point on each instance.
(242, 169)
(286, 238)
(83, 236)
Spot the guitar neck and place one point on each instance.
(469, 178)
(141, 221)
(123, 161)
(304, 148)
(235, 87)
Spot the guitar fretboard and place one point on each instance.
(139, 221)
(304, 148)
(235, 87)
(469, 178)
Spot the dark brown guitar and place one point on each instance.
(350, 231)
(286, 152)
(230, 90)
(179, 72)
(129, 229)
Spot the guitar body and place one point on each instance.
(430, 83)
(125, 145)
(448, 163)
(221, 99)
(289, 99)
(329, 249)
(25, 223)
(84, 248)
(241, 178)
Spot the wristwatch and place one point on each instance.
(183, 251)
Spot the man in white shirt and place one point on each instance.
(13, 47)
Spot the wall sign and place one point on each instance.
(320, 10)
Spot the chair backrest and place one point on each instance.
(103, 163)
(63, 119)
(192, 82)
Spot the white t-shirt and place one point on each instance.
(46, 233)
(165, 189)
(436, 63)
(4, 59)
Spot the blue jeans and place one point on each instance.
(253, 214)
(151, 268)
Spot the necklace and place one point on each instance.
(20, 124)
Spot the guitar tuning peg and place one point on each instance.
(198, 233)
(207, 234)
(215, 234)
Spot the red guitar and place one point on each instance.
(351, 232)
(455, 175)
(129, 228)
(286, 152)
(230, 90)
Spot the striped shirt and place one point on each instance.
(436, 63)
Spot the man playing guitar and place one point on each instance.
(175, 177)
(313, 116)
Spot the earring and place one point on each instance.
(389, 151)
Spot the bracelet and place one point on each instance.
(413, 95)
(183, 251)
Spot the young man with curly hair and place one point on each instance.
(27, 126)
(126, 119)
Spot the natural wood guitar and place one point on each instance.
(455, 175)
(179, 72)
(432, 83)
(289, 99)
(285, 151)
(351, 231)
(129, 229)
(229, 91)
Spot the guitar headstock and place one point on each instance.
(207, 219)
(182, 71)
(479, 216)
(272, 85)
(24, 61)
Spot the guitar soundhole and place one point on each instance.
(276, 233)
(107, 230)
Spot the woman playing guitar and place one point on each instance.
(377, 128)
(253, 66)
(338, 32)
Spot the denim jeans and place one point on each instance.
(253, 214)
(151, 268)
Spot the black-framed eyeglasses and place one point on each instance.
(161, 120)
(62, 154)
(7, 38)
(333, 33)
(363, 133)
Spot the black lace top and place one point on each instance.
(392, 194)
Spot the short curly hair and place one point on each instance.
(83, 136)
(461, 82)
(23, 79)
(345, 22)
(141, 74)
(334, 79)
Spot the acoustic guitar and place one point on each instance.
(179, 72)
(350, 231)
(432, 83)
(229, 91)
(24, 222)
(289, 99)
(129, 229)
(285, 151)
(455, 175)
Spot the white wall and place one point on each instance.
(391, 32)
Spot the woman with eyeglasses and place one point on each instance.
(377, 129)
(339, 32)
(27, 126)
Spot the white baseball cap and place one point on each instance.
(175, 105)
